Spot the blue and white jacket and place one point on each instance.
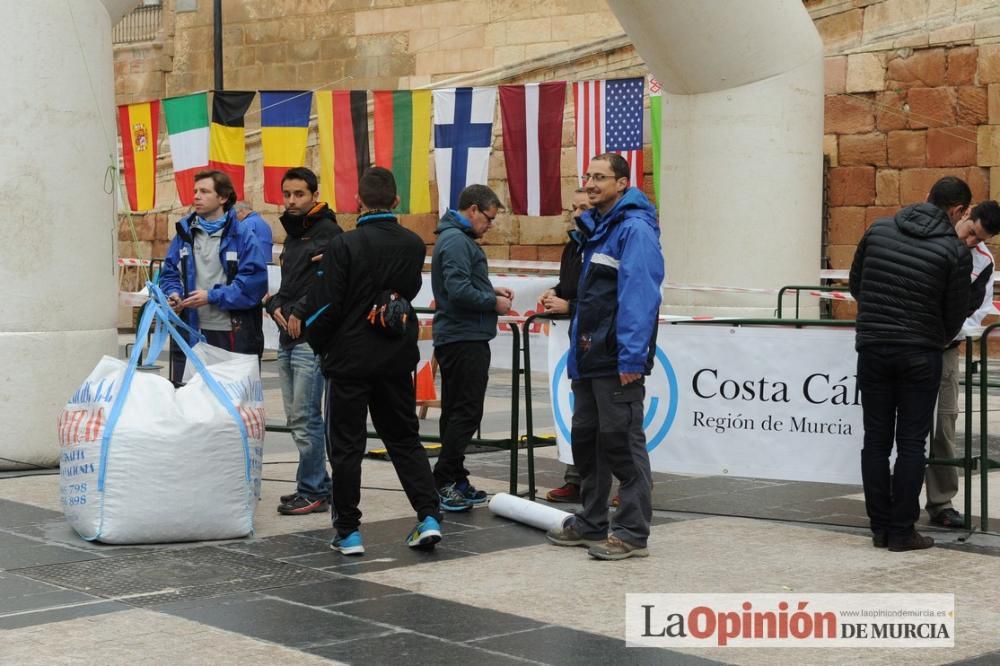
(618, 301)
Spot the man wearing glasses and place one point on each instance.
(612, 345)
(465, 320)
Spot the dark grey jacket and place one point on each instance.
(911, 278)
(464, 300)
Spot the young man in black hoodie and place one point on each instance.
(310, 225)
(910, 276)
(369, 366)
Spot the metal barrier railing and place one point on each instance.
(510, 443)
(798, 289)
(985, 463)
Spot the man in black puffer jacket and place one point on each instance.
(910, 276)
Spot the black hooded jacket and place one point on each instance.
(911, 278)
(308, 236)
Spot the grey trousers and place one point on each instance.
(602, 406)
(942, 481)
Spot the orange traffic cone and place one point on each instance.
(425, 383)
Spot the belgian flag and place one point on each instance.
(226, 144)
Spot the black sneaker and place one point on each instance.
(286, 499)
(949, 518)
(913, 541)
(452, 500)
(300, 506)
(470, 493)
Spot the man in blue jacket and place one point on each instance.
(612, 346)
(215, 274)
(465, 320)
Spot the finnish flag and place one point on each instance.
(463, 138)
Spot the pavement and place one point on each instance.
(493, 591)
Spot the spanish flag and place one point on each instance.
(284, 128)
(139, 126)
(226, 144)
(343, 145)
(403, 144)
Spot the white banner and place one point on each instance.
(761, 402)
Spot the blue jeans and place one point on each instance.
(302, 393)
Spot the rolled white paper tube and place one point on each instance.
(537, 515)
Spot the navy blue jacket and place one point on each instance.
(618, 299)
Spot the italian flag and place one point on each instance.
(139, 126)
(403, 144)
(187, 127)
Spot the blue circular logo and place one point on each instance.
(659, 408)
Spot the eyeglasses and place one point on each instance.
(488, 218)
(596, 177)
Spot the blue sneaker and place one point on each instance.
(425, 534)
(348, 545)
(452, 500)
(469, 492)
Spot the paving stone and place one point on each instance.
(23, 594)
(339, 590)
(437, 617)
(62, 614)
(560, 645)
(378, 557)
(20, 553)
(408, 649)
(282, 546)
(14, 514)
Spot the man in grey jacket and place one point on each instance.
(465, 320)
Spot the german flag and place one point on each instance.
(284, 129)
(403, 144)
(139, 127)
(226, 144)
(343, 145)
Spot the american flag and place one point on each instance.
(609, 120)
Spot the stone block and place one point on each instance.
(463, 37)
(887, 187)
(160, 230)
(507, 55)
(890, 113)
(923, 68)
(873, 213)
(979, 182)
(537, 50)
(988, 145)
(523, 253)
(893, 16)
(550, 253)
(847, 225)
(907, 148)
(931, 107)
(951, 146)
(159, 249)
(304, 50)
(473, 60)
(952, 34)
(504, 230)
(422, 40)
(852, 186)
(994, 183)
(972, 107)
(835, 74)
(435, 15)
(962, 64)
(145, 227)
(542, 230)
(829, 149)
(862, 149)
(847, 114)
(989, 64)
(423, 225)
(397, 19)
(841, 30)
(865, 72)
(497, 252)
(840, 256)
(993, 103)
(915, 184)
(369, 22)
(530, 31)
(844, 310)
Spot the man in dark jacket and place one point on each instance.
(370, 367)
(910, 276)
(214, 273)
(612, 346)
(465, 320)
(310, 225)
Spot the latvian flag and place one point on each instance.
(609, 120)
(532, 142)
(227, 145)
(284, 129)
(187, 127)
(138, 125)
(463, 139)
(403, 144)
(343, 145)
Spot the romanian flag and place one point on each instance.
(403, 144)
(139, 125)
(284, 128)
(187, 127)
(227, 146)
(343, 145)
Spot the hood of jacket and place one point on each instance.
(454, 220)
(633, 203)
(183, 225)
(296, 225)
(924, 220)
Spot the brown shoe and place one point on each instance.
(568, 493)
(614, 548)
(913, 541)
(568, 536)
